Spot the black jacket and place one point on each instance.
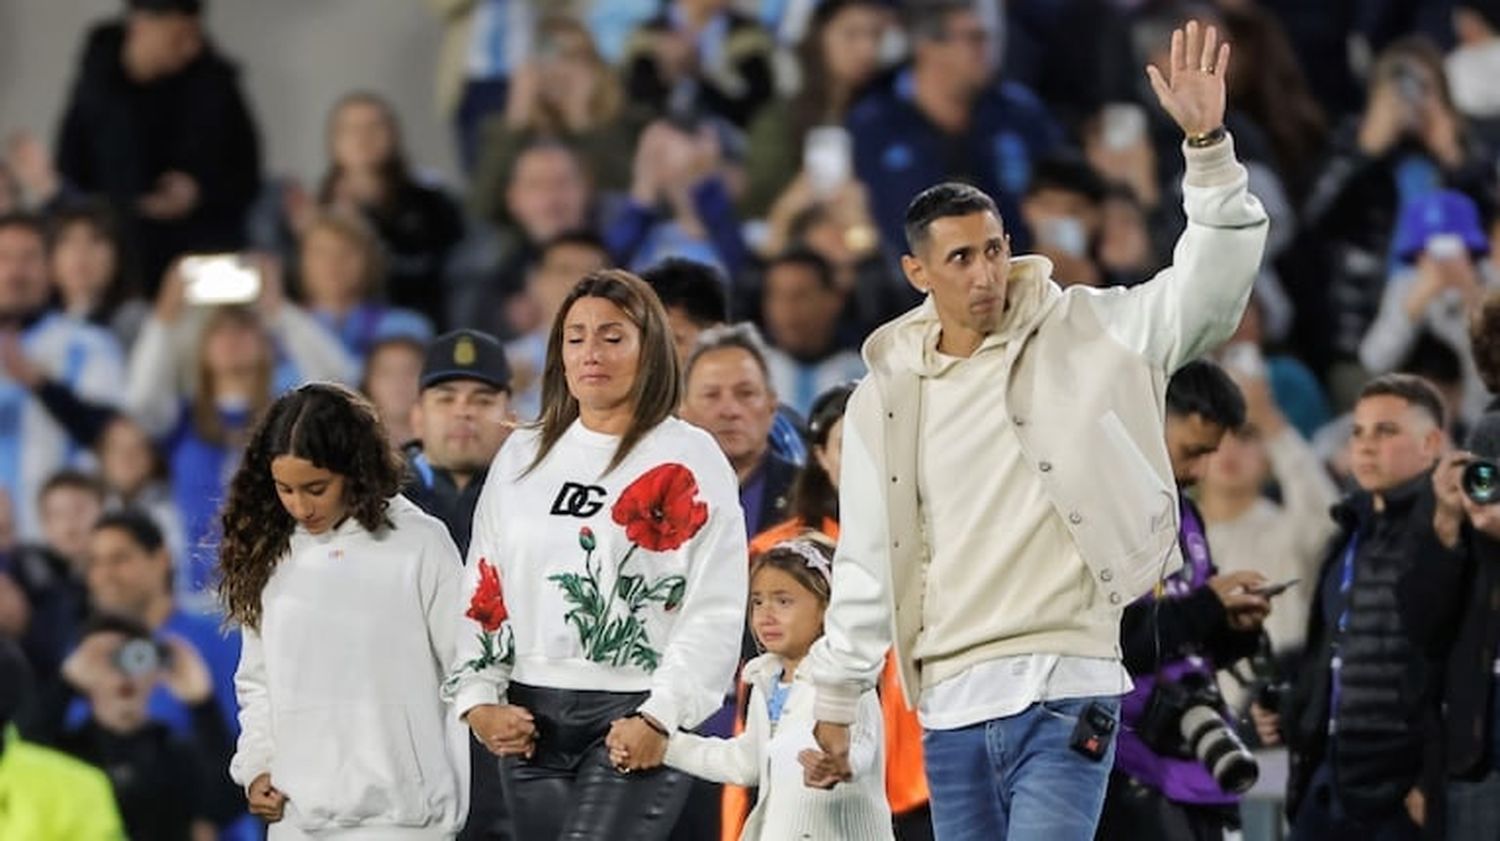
(1155, 631)
(118, 137)
(1470, 680)
(1404, 589)
(164, 783)
(776, 500)
(434, 491)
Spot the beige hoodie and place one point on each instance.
(1084, 384)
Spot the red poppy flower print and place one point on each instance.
(661, 510)
(487, 606)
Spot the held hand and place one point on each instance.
(1447, 485)
(1192, 88)
(505, 729)
(90, 666)
(1385, 120)
(1244, 610)
(272, 287)
(175, 196)
(266, 802)
(1484, 518)
(14, 364)
(170, 297)
(635, 745)
(829, 765)
(185, 675)
(1267, 725)
(31, 162)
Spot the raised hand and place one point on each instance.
(1191, 89)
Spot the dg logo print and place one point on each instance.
(575, 500)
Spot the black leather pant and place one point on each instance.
(568, 790)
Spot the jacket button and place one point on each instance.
(1106, 575)
(1045, 467)
(1114, 598)
(893, 480)
(891, 415)
(1075, 518)
(895, 544)
(1018, 420)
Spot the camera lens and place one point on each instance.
(1481, 482)
(1233, 766)
(138, 657)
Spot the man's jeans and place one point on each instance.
(1016, 778)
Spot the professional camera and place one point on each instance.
(1481, 481)
(1182, 719)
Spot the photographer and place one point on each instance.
(1472, 704)
(1180, 769)
(1359, 717)
(169, 786)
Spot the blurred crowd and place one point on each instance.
(159, 286)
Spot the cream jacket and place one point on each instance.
(1085, 384)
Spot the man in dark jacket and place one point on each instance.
(1360, 714)
(460, 420)
(156, 123)
(1470, 697)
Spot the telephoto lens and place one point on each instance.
(1219, 749)
(1480, 481)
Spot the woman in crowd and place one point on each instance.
(392, 382)
(607, 580)
(240, 358)
(368, 172)
(345, 592)
(342, 271)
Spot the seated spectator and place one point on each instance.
(1440, 279)
(546, 195)
(1410, 140)
(342, 272)
(368, 172)
(49, 796)
(482, 43)
(135, 477)
(88, 272)
(679, 203)
(839, 56)
(841, 232)
(1282, 539)
(169, 786)
(1125, 250)
(568, 93)
(201, 416)
(945, 117)
(700, 58)
(693, 296)
(563, 262)
(392, 369)
(1062, 209)
(728, 393)
(801, 308)
(41, 352)
(156, 122)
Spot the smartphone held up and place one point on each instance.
(218, 279)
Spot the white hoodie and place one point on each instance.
(339, 688)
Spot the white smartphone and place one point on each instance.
(1445, 246)
(828, 158)
(1122, 125)
(216, 279)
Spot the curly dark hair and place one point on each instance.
(1484, 338)
(335, 429)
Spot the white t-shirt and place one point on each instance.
(625, 580)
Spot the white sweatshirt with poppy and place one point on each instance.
(625, 580)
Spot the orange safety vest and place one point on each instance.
(905, 772)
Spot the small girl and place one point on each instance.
(789, 590)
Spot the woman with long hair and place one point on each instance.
(345, 593)
(607, 580)
(200, 413)
(418, 224)
(342, 273)
(84, 256)
(839, 57)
